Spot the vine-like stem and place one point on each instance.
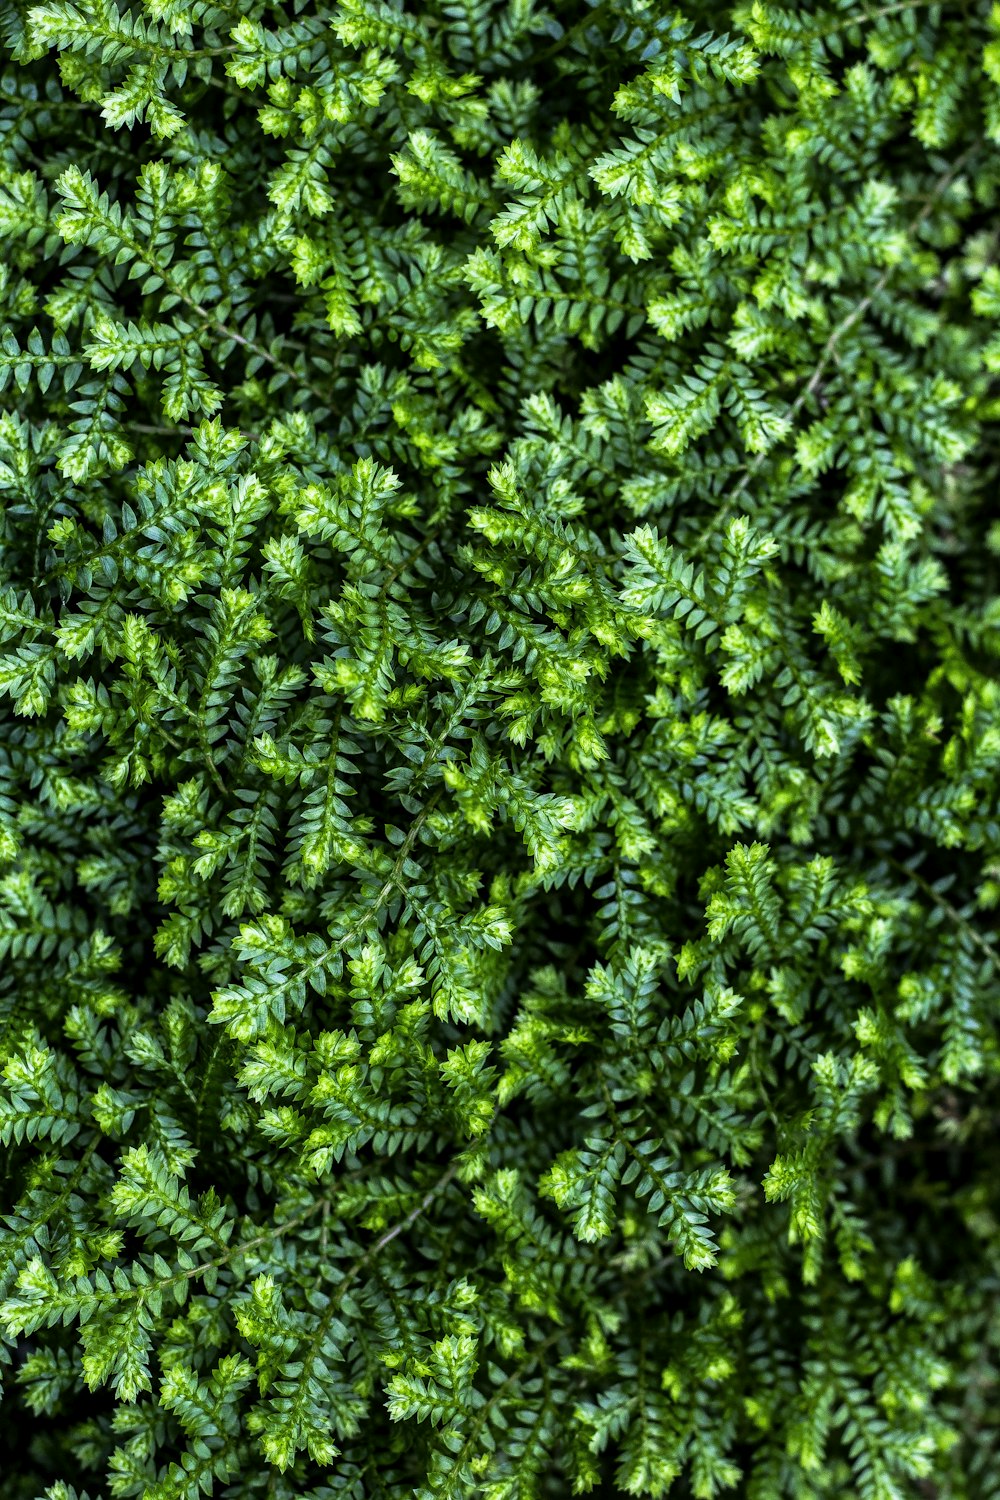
(857, 312)
(985, 947)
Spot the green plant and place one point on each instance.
(499, 750)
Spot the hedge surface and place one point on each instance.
(499, 750)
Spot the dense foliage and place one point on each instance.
(499, 750)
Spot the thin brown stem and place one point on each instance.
(811, 385)
(985, 947)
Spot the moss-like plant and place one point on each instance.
(499, 750)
